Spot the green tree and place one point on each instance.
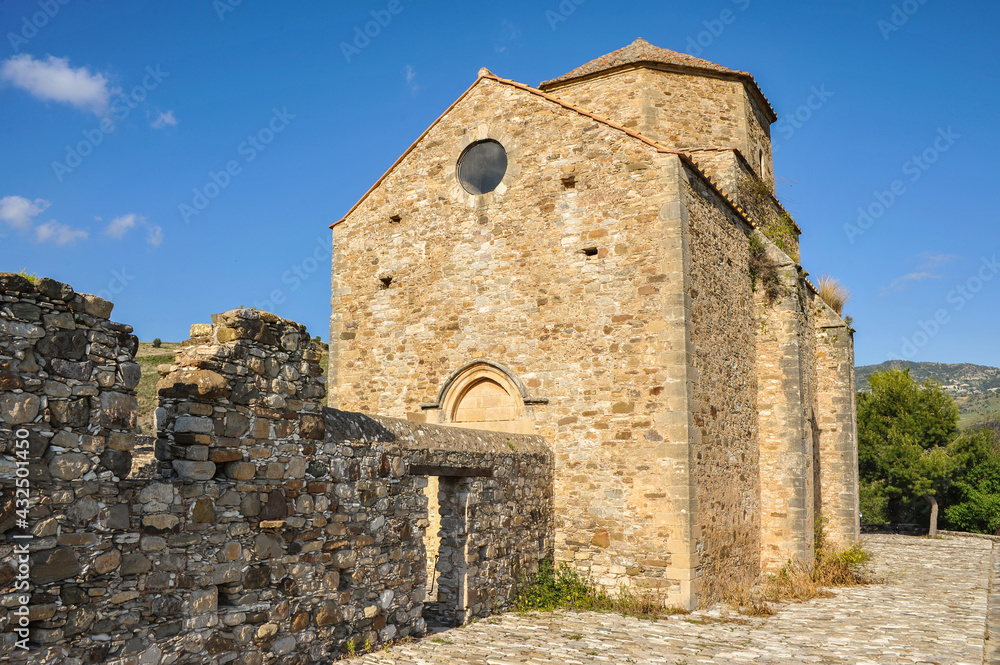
(904, 430)
(975, 495)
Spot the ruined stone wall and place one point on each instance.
(281, 531)
(677, 110)
(67, 409)
(724, 385)
(502, 277)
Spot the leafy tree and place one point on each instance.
(904, 429)
(975, 495)
(157, 343)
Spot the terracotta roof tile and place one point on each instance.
(641, 51)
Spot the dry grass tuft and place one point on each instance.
(833, 293)
(795, 582)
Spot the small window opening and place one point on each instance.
(386, 281)
(569, 182)
(589, 251)
(395, 219)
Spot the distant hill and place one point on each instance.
(976, 388)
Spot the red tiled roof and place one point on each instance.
(641, 51)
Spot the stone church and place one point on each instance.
(602, 261)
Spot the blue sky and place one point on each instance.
(186, 158)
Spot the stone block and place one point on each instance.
(69, 466)
(240, 470)
(135, 563)
(72, 370)
(189, 470)
(119, 462)
(65, 344)
(194, 425)
(99, 308)
(54, 565)
(118, 410)
(19, 408)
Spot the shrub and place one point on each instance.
(564, 588)
(783, 233)
(31, 277)
(157, 343)
(833, 293)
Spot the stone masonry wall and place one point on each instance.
(731, 170)
(281, 530)
(677, 110)
(837, 442)
(784, 401)
(724, 384)
(586, 333)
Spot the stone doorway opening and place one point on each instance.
(446, 543)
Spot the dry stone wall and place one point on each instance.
(280, 531)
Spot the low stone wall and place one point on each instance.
(280, 532)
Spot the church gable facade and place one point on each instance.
(534, 266)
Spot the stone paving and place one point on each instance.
(932, 609)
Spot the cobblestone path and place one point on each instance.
(932, 610)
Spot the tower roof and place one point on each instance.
(642, 52)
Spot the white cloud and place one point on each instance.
(509, 33)
(119, 226)
(934, 260)
(163, 120)
(900, 283)
(54, 80)
(58, 233)
(18, 211)
(154, 235)
(410, 74)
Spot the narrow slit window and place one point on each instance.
(589, 251)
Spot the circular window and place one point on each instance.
(482, 166)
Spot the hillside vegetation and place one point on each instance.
(976, 388)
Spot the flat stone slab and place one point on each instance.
(933, 609)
